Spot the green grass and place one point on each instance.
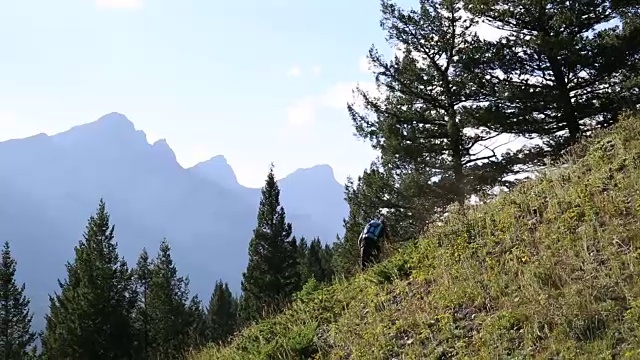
(497, 282)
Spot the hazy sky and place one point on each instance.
(257, 81)
(254, 80)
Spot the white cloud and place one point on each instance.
(295, 71)
(303, 112)
(337, 96)
(316, 70)
(119, 4)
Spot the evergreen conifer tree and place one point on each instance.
(199, 329)
(272, 275)
(222, 313)
(91, 317)
(559, 70)
(314, 261)
(424, 122)
(292, 279)
(16, 337)
(170, 320)
(303, 249)
(142, 276)
(327, 262)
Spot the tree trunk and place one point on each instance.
(455, 137)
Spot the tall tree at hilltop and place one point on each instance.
(558, 71)
(91, 318)
(424, 119)
(631, 27)
(170, 320)
(222, 313)
(272, 275)
(16, 337)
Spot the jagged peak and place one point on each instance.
(112, 123)
(218, 159)
(321, 171)
(28, 139)
(161, 143)
(37, 136)
(114, 127)
(163, 146)
(213, 161)
(115, 118)
(217, 168)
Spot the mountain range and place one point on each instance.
(50, 185)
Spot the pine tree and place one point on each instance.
(424, 122)
(314, 261)
(272, 275)
(91, 318)
(199, 329)
(170, 321)
(327, 262)
(222, 313)
(16, 338)
(292, 279)
(303, 250)
(244, 312)
(559, 71)
(142, 276)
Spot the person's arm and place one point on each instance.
(387, 235)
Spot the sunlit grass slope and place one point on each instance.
(551, 270)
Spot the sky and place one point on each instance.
(257, 81)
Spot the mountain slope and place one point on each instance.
(50, 185)
(217, 169)
(548, 271)
(308, 195)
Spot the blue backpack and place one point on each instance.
(373, 230)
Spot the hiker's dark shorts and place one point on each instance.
(369, 251)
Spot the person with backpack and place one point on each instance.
(370, 239)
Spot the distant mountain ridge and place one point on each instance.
(50, 185)
(217, 169)
(300, 190)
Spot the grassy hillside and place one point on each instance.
(551, 270)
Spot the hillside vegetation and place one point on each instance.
(549, 270)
